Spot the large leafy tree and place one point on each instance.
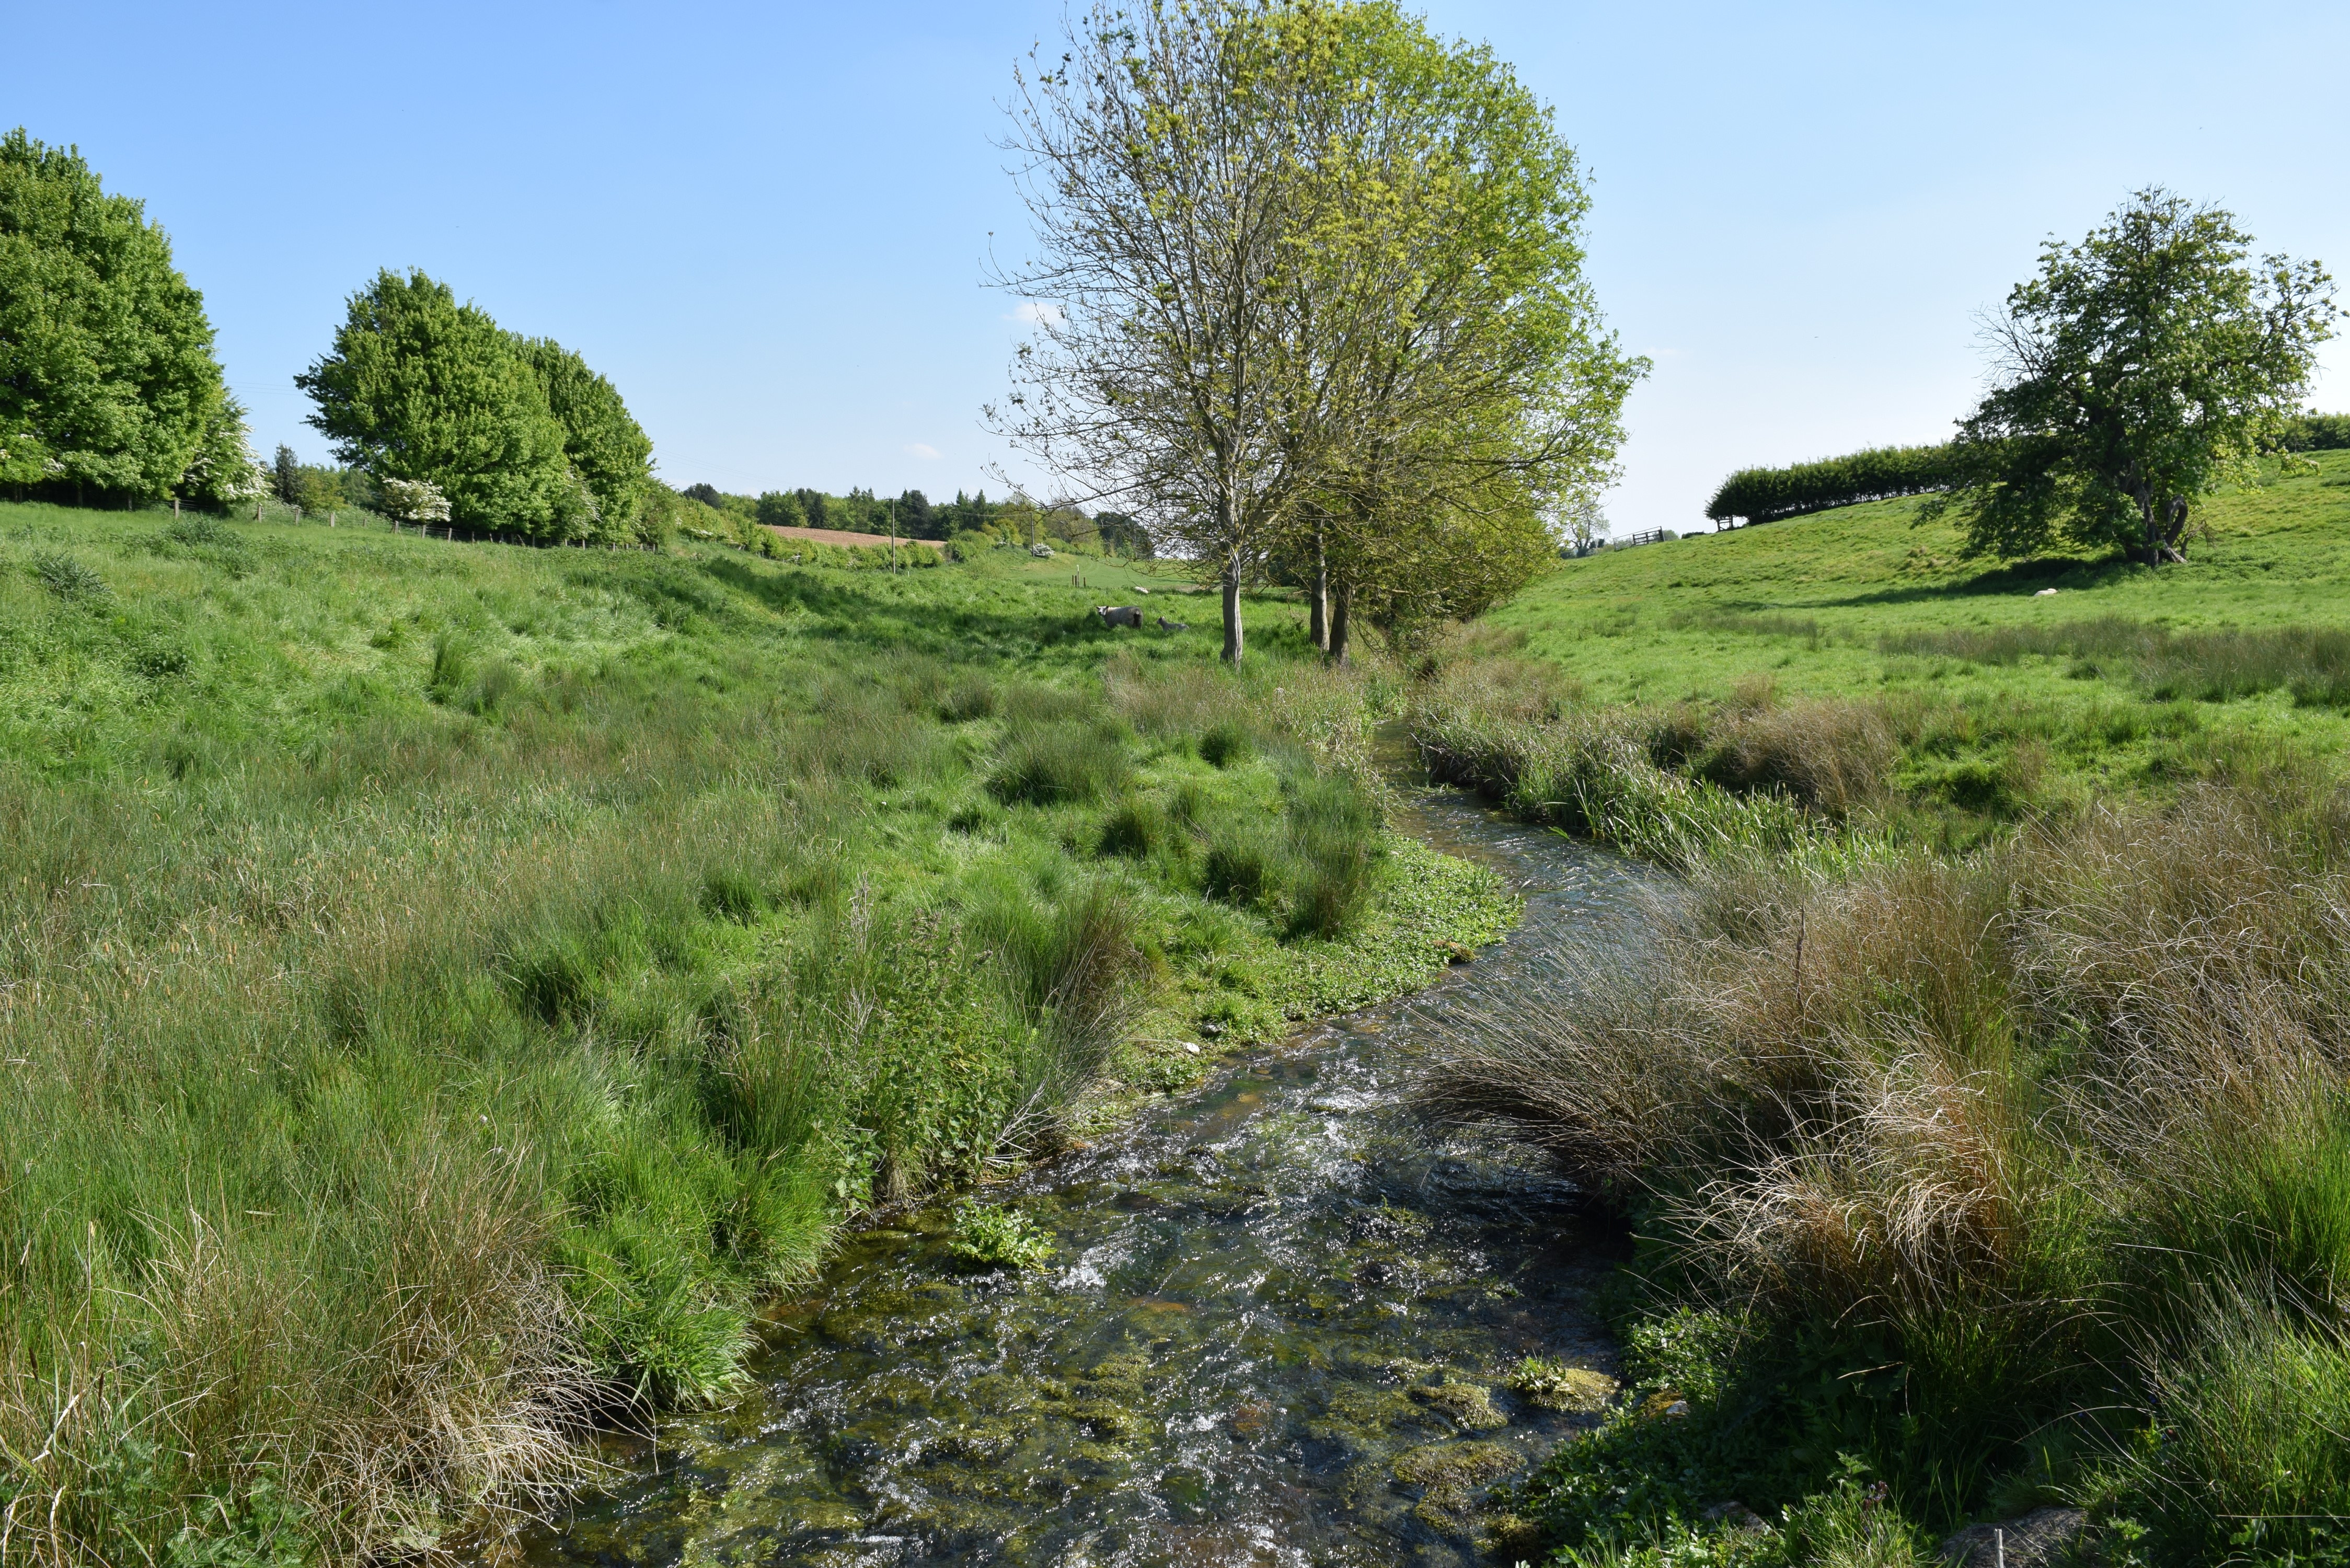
(2143, 368)
(1309, 270)
(1444, 333)
(108, 380)
(419, 386)
(606, 447)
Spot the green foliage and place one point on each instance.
(993, 1236)
(107, 375)
(418, 387)
(2144, 368)
(607, 450)
(779, 508)
(1880, 473)
(2317, 432)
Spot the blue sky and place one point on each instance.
(768, 223)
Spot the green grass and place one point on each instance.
(1860, 604)
(444, 987)
(1980, 1113)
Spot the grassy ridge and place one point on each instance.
(2000, 700)
(1981, 1112)
(446, 985)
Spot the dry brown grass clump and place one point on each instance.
(1935, 1086)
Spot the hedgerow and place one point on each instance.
(1880, 473)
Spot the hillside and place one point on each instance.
(2119, 672)
(446, 986)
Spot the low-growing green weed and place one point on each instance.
(995, 1236)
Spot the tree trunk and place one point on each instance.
(1319, 593)
(1232, 633)
(1341, 604)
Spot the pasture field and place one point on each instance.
(2124, 679)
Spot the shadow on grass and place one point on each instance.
(852, 613)
(2018, 576)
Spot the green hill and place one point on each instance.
(2124, 674)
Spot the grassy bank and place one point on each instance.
(1981, 1112)
(1984, 699)
(444, 986)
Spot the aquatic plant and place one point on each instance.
(993, 1236)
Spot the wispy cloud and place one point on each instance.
(924, 450)
(1036, 313)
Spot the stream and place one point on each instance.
(1278, 1326)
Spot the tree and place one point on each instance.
(418, 387)
(107, 375)
(1123, 534)
(781, 509)
(2143, 368)
(1444, 327)
(1157, 181)
(286, 476)
(412, 501)
(916, 518)
(1317, 277)
(602, 442)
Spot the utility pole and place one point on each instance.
(893, 535)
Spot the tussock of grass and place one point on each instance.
(2311, 663)
(2012, 1125)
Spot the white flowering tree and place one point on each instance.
(417, 500)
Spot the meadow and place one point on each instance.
(1979, 1112)
(445, 988)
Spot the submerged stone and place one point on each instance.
(1468, 1404)
(1452, 1478)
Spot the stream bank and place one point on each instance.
(1281, 1323)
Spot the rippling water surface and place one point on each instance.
(1277, 1329)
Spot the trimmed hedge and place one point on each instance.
(1768, 495)
(1882, 473)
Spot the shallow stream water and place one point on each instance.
(1277, 1327)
